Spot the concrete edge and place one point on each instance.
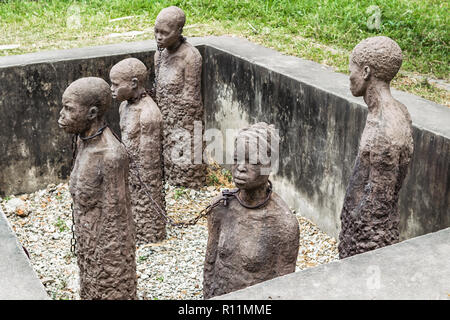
(261, 288)
(20, 281)
(425, 114)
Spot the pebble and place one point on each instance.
(171, 269)
(17, 206)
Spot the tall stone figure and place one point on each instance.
(104, 224)
(370, 217)
(253, 236)
(141, 127)
(178, 67)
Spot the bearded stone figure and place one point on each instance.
(178, 68)
(253, 236)
(104, 226)
(141, 127)
(370, 217)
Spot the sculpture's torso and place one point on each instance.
(104, 226)
(248, 246)
(178, 94)
(370, 217)
(141, 127)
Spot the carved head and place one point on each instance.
(254, 149)
(373, 58)
(85, 101)
(127, 76)
(169, 26)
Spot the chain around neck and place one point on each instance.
(99, 132)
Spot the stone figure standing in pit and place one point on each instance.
(254, 237)
(141, 127)
(178, 68)
(104, 226)
(370, 217)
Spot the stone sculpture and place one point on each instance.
(370, 217)
(103, 220)
(178, 67)
(248, 242)
(141, 127)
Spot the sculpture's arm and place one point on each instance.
(381, 188)
(290, 246)
(358, 179)
(150, 123)
(192, 78)
(211, 251)
(115, 196)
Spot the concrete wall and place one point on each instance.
(33, 150)
(320, 124)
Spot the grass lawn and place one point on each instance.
(324, 31)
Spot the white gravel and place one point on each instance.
(171, 269)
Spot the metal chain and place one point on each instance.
(226, 196)
(155, 80)
(73, 240)
(135, 171)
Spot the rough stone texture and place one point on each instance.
(415, 269)
(141, 128)
(18, 281)
(104, 226)
(312, 106)
(370, 217)
(178, 71)
(248, 246)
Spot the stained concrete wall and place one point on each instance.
(33, 150)
(320, 124)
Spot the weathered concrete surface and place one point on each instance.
(320, 124)
(414, 269)
(18, 281)
(32, 152)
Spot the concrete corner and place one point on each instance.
(18, 281)
(415, 269)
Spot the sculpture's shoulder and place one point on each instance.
(114, 153)
(150, 112)
(394, 128)
(122, 107)
(282, 210)
(219, 209)
(191, 53)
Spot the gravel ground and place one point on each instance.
(171, 269)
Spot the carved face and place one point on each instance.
(122, 89)
(359, 77)
(167, 33)
(247, 175)
(75, 118)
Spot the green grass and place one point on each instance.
(324, 31)
(61, 225)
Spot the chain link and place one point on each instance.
(73, 240)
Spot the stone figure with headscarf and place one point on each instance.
(254, 237)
